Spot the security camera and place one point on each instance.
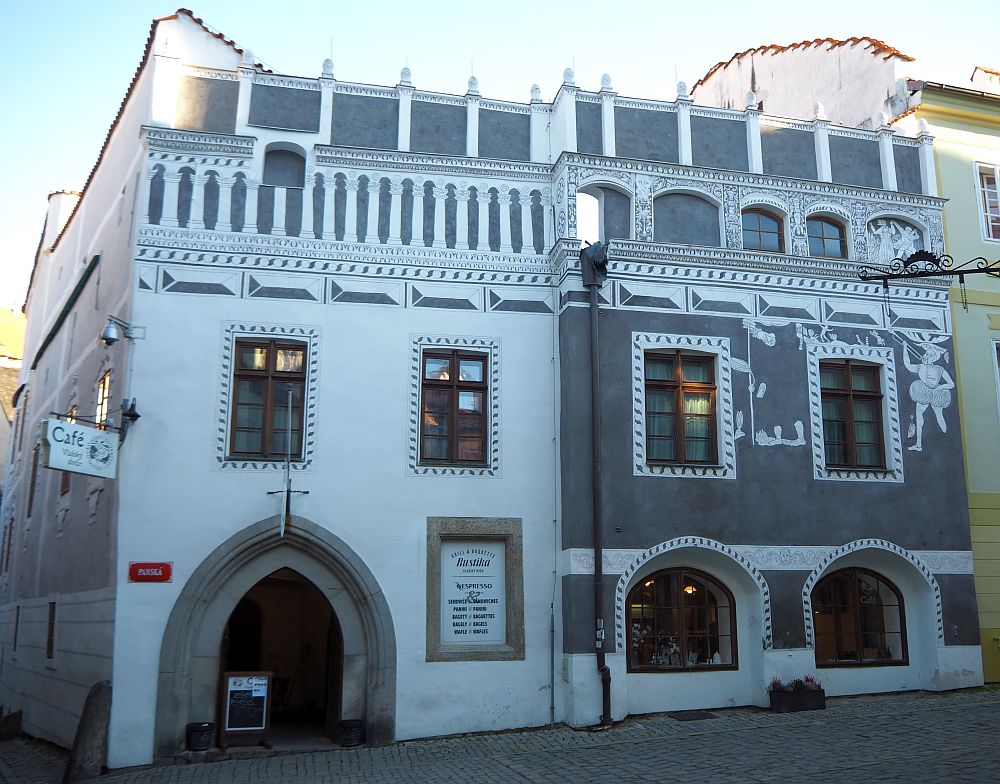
(110, 334)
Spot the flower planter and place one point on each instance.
(791, 701)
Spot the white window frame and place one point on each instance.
(892, 438)
(725, 428)
(978, 166)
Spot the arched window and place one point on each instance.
(827, 237)
(763, 231)
(680, 619)
(859, 620)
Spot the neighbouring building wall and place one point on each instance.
(967, 153)
(854, 80)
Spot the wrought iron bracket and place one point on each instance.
(924, 264)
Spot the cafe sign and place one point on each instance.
(473, 596)
(82, 449)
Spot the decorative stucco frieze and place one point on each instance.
(196, 143)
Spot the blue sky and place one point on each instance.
(68, 63)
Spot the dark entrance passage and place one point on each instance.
(285, 625)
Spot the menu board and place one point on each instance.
(246, 702)
(473, 593)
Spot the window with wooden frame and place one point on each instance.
(64, 477)
(680, 407)
(103, 399)
(989, 199)
(268, 391)
(22, 415)
(763, 230)
(680, 619)
(453, 397)
(852, 414)
(34, 478)
(50, 634)
(827, 238)
(858, 618)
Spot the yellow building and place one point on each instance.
(965, 124)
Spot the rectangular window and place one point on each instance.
(103, 399)
(852, 414)
(64, 478)
(17, 624)
(50, 635)
(22, 415)
(453, 420)
(989, 199)
(680, 407)
(34, 478)
(268, 389)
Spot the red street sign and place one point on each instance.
(150, 571)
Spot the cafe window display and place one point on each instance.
(680, 619)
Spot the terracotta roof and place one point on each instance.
(877, 48)
(121, 109)
(907, 113)
(984, 69)
(8, 386)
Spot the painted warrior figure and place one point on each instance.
(931, 388)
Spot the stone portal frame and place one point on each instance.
(187, 688)
(486, 529)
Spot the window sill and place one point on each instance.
(834, 665)
(696, 668)
(668, 464)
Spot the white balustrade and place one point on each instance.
(351, 211)
(440, 201)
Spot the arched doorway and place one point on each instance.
(285, 625)
(191, 653)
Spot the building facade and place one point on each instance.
(962, 120)
(356, 325)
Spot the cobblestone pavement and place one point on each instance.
(917, 737)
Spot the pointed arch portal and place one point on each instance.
(190, 655)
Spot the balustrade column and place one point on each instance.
(250, 210)
(440, 202)
(461, 220)
(171, 184)
(527, 232)
(306, 229)
(417, 218)
(223, 220)
(329, 207)
(371, 231)
(351, 213)
(197, 218)
(396, 214)
(505, 246)
(280, 208)
(484, 220)
(149, 192)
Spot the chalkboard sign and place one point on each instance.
(246, 702)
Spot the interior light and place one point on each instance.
(648, 583)
(690, 589)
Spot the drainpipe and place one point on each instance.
(593, 264)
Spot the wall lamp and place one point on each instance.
(129, 416)
(114, 329)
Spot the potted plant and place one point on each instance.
(800, 694)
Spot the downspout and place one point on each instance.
(593, 262)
